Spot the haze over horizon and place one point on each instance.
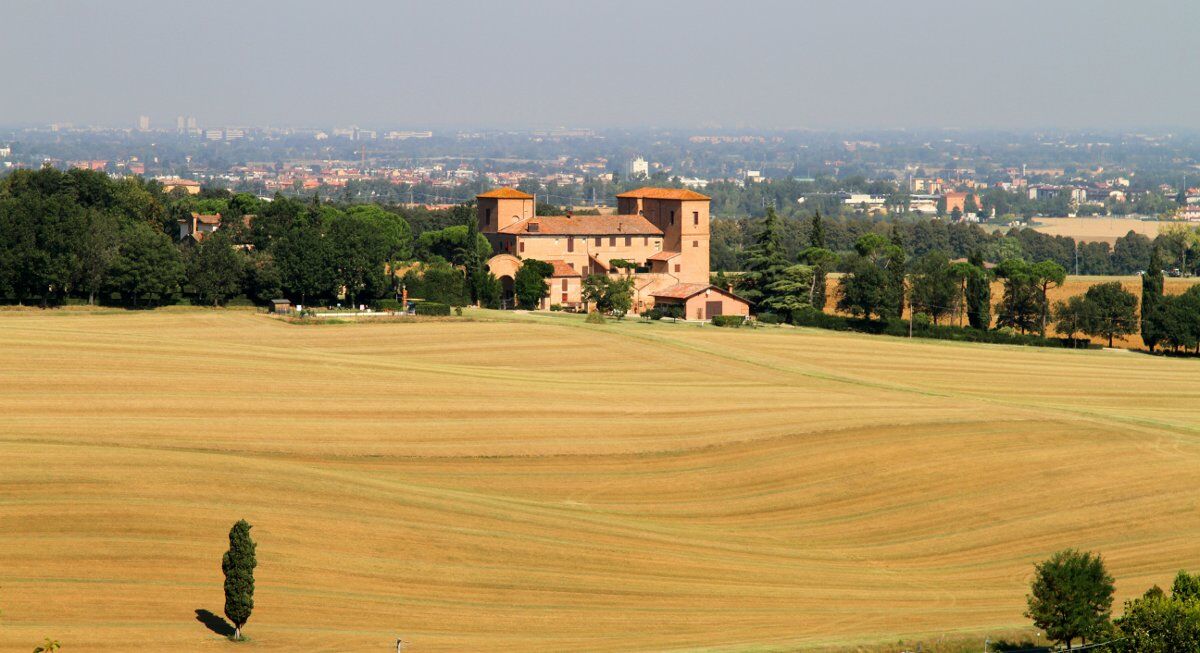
(869, 64)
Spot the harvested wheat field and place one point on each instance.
(1099, 229)
(533, 483)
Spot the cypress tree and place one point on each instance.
(472, 262)
(238, 564)
(979, 294)
(816, 239)
(897, 265)
(1152, 294)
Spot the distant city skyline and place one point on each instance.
(528, 64)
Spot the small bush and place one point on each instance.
(389, 305)
(432, 308)
(769, 318)
(728, 320)
(458, 311)
(556, 307)
(595, 318)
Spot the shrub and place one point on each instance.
(728, 320)
(431, 308)
(389, 305)
(556, 307)
(769, 318)
(458, 311)
(595, 318)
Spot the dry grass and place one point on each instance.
(1106, 230)
(540, 484)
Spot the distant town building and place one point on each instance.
(197, 225)
(214, 134)
(637, 168)
(143, 123)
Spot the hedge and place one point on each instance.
(814, 318)
(728, 320)
(390, 305)
(432, 308)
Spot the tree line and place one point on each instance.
(880, 280)
(84, 236)
(733, 241)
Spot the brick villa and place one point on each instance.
(663, 232)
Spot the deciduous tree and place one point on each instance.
(1071, 596)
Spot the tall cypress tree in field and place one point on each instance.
(979, 294)
(816, 240)
(473, 263)
(1152, 294)
(238, 564)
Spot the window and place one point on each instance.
(672, 216)
(564, 297)
(508, 247)
(677, 267)
(612, 241)
(570, 243)
(597, 241)
(522, 247)
(645, 240)
(629, 241)
(487, 216)
(695, 217)
(695, 243)
(564, 285)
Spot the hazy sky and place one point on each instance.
(521, 63)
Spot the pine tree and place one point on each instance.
(1152, 294)
(766, 262)
(238, 564)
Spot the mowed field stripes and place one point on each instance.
(531, 482)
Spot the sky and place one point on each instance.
(731, 64)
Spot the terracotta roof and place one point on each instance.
(663, 256)
(686, 290)
(208, 219)
(585, 225)
(665, 194)
(600, 264)
(505, 194)
(563, 269)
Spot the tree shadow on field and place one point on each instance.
(214, 623)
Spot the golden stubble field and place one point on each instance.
(538, 484)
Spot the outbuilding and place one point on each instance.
(281, 306)
(701, 301)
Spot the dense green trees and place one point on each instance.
(214, 269)
(609, 295)
(934, 286)
(148, 268)
(1114, 311)
(1071, 597)
(529, 284)
(238, 565)
(869, 287)
(1021, 306)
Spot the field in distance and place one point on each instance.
(1096, 229)
(535, 483)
